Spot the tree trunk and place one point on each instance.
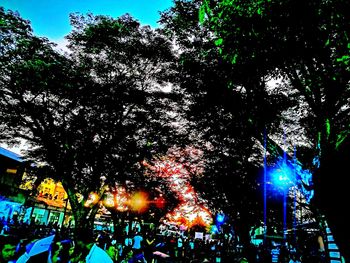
(83, 229)
(83, 216)
(331, 195)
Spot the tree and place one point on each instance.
(229, 107)
(307, 43)
(38, 104)
(88, 116)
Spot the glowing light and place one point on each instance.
(139, 202)
(220, 218)
(283, 175)
(287, 173)
(177, 172)
(160, 202)
(121, 200)
(108, 201)
(214, 229)
(93, 198)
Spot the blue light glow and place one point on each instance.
(220, 218)
(214, 229)
(282, 176)
(288, 173)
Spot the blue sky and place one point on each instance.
(50, 18)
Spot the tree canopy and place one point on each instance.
(230, 108)
(307, 44)
(94, 114)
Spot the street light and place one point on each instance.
(282, 177)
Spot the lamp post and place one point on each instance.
(285, 194)
(265, 189)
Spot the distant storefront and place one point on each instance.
(11, 197)
(9, 209)
(18, 200)
(43, 214)
(51, 205)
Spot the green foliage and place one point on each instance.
(345, 59)
(328, 127)
(202, 11)
(341, 138)
(301, 40)
(218, 42)
(90, 115)
(306, 42)
(228, 109)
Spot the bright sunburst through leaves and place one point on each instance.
(176, 169)
(139, 202)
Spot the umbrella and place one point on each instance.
(35, 248)
(97, 254)
(161, 254)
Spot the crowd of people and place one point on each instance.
(137, 242)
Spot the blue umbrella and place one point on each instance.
(97, 254)
(35, 248)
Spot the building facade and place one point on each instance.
(47, 204)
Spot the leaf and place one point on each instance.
(328, 127)
(345, 59)
(218, 42)
(341, 137)
(327, 43)
(234, 59)
(202, 13)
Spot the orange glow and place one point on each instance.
(177, 172)
(139, 202)
(198, 221)
(160, 202)
(11, 171)
(189, 215)
(92, 199)
(108, 201)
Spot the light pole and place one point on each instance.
(285, 193)
(265, 181)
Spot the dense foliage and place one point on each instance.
(305, 42)
(92, 115)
